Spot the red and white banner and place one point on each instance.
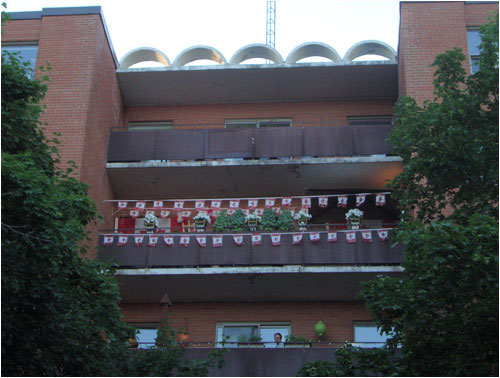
(323, 201)
(360, 199)
(185, 215)
(277, 210)
(259, 212)
(246, 211)
(276, 239)
(215, 204)
(342, 201)
(157, 205)
(314, 237)
(350, 236)
(153, 240)
(122, 239)
(252, 203)
(122, 205)
(367, 236)
(234, 204)
(178, 205)
(202, 240)
(108, 240)
(270, 202)
(152, 212)
(184, 241)
(230, 211)
(256, 239)
(164, 213)
(140, 205)
(199, 205)
(297, 238)
(306, 202)
(217, 241)
(383, 235)
(380, 200)
(286, 201)
(238, 240)
(134, 213)
(138, 240)
(332, 237)
(169, 240)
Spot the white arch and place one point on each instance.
(308, 49)
(256, 50)
(197, 53)
(144, 54)
(370, 47)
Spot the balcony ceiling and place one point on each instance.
(373, 80)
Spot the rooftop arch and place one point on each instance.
(309, 49)
(370, 47)
(200, 52)
(144, 54)
(256, 50)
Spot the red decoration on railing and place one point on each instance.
(360, 199)
(122, 239)
(367, 236)
(256, 239)
(332, 237)
(202, 240)
(138, 239)
(134, 213)
(286, 201)
(234, 204)
(238, 240)
(108, 240)
(215, 205)
(276, 239)
(140, 205)
(157, 205)
(169, 240)
(122, 205)
(184, 241)
(270, 202)
(323, 201)
(342, 201)
(383, 235)
(297, 238)
(314, 237)
(252, 203)
(164, 213)
(306, 202)
(178, 205)
(217, 241)
(350, 236)
(199, 205)
(153, 240)
(380, 200)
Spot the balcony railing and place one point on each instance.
(216, 142)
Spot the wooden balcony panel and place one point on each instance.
(284, 254)
(128, 255)
(278, 142)
(230, 143)
(227, 254)
(328, 141)
(322, 252)
(163, 256)
(180, 145)
(132, 145)
(370, 139)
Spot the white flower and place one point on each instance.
(202, 215)
(354, 213)
(302, 215)
(252, 217)
(150, 219)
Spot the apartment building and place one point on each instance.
(181, 140)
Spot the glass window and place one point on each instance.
(368, 120)
(25, 53)
(474, 41)
(367, 335)
(147, 126)
(232, 333)
(275, 122)
(146, 337)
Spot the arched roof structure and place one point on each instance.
(309, 49)
(256, 50)
(144, 54)
(194, 53)
(370, 47)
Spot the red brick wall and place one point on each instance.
(21, 31)
(202, 317)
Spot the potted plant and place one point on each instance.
(238, 220)
(285, 221)
(202, 220)
(302, 217)
(292, 341)
(268, 222)
(253, 341)
(354, 216)
(253, 220)
(150, 222)
(222, 222)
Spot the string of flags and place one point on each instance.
(238, 239)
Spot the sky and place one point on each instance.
(227, 25)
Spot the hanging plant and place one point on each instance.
(285, 221)
(238, 220)
(268, 222)
(222, 222)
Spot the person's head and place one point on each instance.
(277, 337)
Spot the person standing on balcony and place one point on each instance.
(277, 340)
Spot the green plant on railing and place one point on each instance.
(238, 221)
(285, 221)
(254, 339)
(222, 222)
(296, 339)
(268, 222)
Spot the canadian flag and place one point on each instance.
(138, 240)
(297, 238)
(169, 240)
(122, 239)
(148, 212)
(184, 241)
(323, 201)
(332, 237)
(234, 204)
(252, 203)
(246, 211)
(157, 205)
(314, 237)
(270, 202)
(214, 214)
(178, 205)
(306, 202)
(238, 240)
(380, 199)
(383, 235)
(286, 201)
(185, 214)
(164, 213)
(153, 240)
(350, 236)
(122, 205)
(360, 199)
(108, 240)
(217, 241)
(367, 236)
(342, 201)
(215, 204)
(276, 239)
(199, 205)
(140, 205)
(230, 211)
(202, 240)
(277, 210)
(134, 213)
(256, 239)
(259, 212)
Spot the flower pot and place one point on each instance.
(200, 225)
(133, 342)
(297, 345)
(354, 223)
(302, 225)
(183, 339)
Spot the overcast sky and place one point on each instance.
(227, 25)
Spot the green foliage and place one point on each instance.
(238, 221)
(296, 339)
(222, 222)
(268, 222)
(285, 221)
(316, 369)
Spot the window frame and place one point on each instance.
(367, 344)
(219, 330)
(145, 326)
(150, 125)
(17, 45)
(473, 58)
(247, 122)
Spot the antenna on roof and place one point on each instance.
(271, 24)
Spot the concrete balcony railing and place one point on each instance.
(216, 142)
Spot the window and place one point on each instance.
(474, 41)
(233, 331)
(274, 122)
(25, 53)
(146, 336)
(368, 335)
(148, 126)
(376, 120)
